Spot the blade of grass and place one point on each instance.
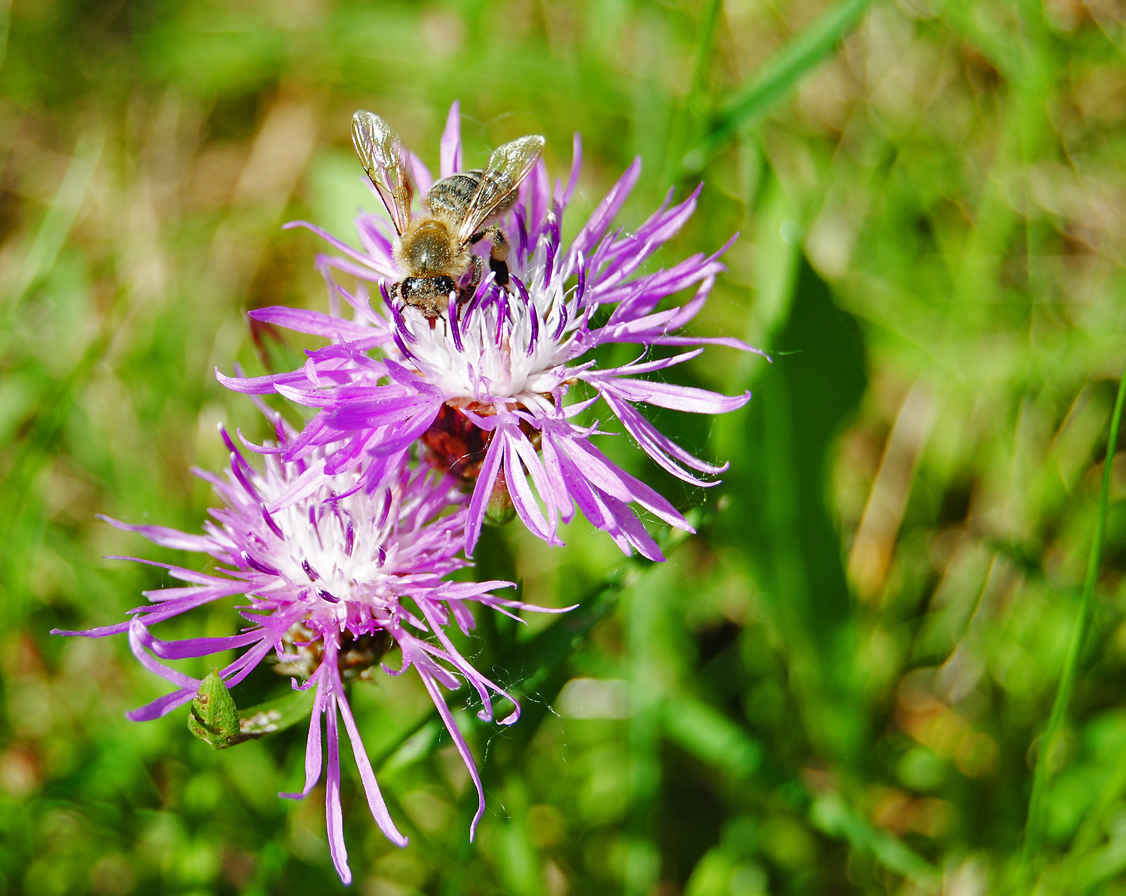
(705, 40)
(57, 222)
(776, 79)
(690, 116)
(1086, 855)
(5, 27)
(711, 736)
(20, 522)
(830, 814)
(1034, 826)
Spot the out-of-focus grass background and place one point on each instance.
(840, 685)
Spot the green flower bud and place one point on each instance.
(214, 716)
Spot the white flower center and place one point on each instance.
(506, 344)
(341, 551)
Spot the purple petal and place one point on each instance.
(377, 271)
(165, 537)
(313, 743)
(677, 398)
(162, 705)
(728, 341)
(522, 498)
(333, 241)
(576, 165)
(193, 647)
(653, 502)
(459, 742)
(377, 237)
(313, 322)
(194, 597)
(301, 487)
(334, 817)
(101, 632)
(139, 638)
(260, 385)
(609, 515)
(371, 787)
(607, 209)
(423, 179)
(451, 142)
(635, 368)
(178, 572)
(563, 502)
(619, 484)
(629, 527)
(602, 474)
(482, 491)
(658, 446)
(527, 453)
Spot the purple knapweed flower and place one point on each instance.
(485, 387)
(337, 571)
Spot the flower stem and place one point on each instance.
(1034, 827)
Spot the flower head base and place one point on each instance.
(337, 570)
(485, 387)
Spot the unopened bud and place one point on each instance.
(214, 716)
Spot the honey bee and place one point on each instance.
(433, 246)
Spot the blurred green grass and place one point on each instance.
(841, 684)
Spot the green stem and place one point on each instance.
(704, 42)
(690, 115)
(1034, 827)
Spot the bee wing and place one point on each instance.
(385, 160)
(507, 168)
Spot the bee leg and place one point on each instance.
(465, 292)
(498, 256)
(498, 252)
(398, 292)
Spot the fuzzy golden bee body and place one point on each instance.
(434, 244)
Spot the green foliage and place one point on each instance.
(889, 624)
(1034, 830)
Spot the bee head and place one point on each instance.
(430, 250)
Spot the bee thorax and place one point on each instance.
(429, 250)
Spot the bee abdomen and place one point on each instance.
(451, 195)
(429, 294)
